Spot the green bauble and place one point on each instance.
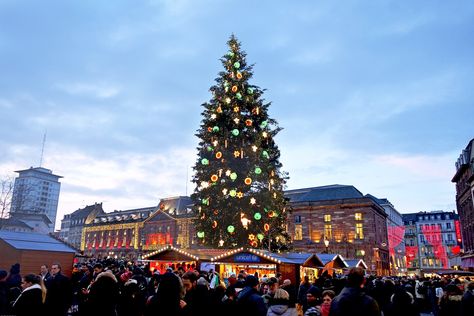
(200, 234)
(250, 90)
(230, 54)
(238, 96)
(233, 175)
(205, 161)
(215, 129)
(257, 216)
(260, 237)
(265, 154)
(235, 132)
(209, 148)
(230, 229)
(263, 124)
(236, 65)
(232, 193)
(258, 170)
(205, 201)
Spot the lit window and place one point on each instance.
(328, 231)
(359, 233)
(358, 216)
(297, 218)
(327, 217)
(298, 232)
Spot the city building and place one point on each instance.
(14, 225)
(339, 219)
(464, 179)
(36, 191)
(115, 234)
(396, 236)
(172, 225)
(74, 223)
(431, 239)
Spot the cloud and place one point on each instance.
(123, 181)
(322, 54)
(97, 90)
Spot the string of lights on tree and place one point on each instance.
(239, 185)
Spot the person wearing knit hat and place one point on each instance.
(249, 300)
(313, 297)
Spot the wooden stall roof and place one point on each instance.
(267, 257)
(352, 263)
(34, 241)
(338, 260)
(303, 259)
(171, 253)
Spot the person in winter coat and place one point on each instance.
(352, 300)
(31, 299)
(313, 297)
(467, 302)
(279, 305)
(249, 302)
(167, 300)
(4, 304)
(59, 294)
(401, 303)
(103, 295)
(450, 304)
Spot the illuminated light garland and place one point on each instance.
(169, 247)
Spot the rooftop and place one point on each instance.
(34, 241)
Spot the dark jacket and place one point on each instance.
(58, 295)
(354, 302)
(103, 295)
(30, 302)
(467, 303)
(249, 303)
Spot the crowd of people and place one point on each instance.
(116, 288)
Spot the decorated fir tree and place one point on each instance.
(239, 185)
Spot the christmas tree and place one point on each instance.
(239, 186)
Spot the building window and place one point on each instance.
(298, 232)
(448, 225)
(327, 217)
(422, 239)
(359, 233)
(450, 237)
(328, 231)
(297, 218)
(358, 216)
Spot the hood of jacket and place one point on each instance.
(279, 309)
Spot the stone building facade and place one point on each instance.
(172, 225)
(115, 234)
(464, 179)
(352, 224)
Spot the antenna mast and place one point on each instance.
(42, 149)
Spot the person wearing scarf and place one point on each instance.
(31, 300)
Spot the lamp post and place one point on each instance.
(326, 243)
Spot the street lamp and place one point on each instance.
(326, 243)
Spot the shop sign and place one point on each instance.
(246, 257)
